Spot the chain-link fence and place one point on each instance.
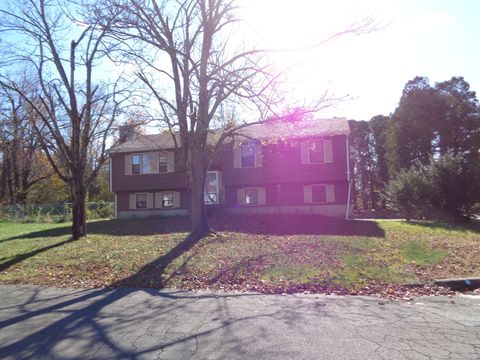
(59, 212)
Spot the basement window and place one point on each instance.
(319, 194)
(141, 201)
(251, 197)
(167, 199)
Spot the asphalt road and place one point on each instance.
(47, 323)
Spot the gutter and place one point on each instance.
(348, 179)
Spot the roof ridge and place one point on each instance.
(275, 129)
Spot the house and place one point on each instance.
(300, 167)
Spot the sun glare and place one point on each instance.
(293, 27)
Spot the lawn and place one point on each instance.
(265, 253)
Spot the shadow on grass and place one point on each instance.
(152, 274)
(20, 257)
(259, 224)
(131, 227)
(86, 309)
(103, 323)
(296, 225)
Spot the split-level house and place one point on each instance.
(298, 167)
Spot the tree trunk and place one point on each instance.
(79, 216)
(3, 180)
(21, 197)
(373, 197)
(198, 213)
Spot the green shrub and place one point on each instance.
(50, 213)
(409, 193)
(455, 185)
(445, 188)
(100, 210)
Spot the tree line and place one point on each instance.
(422, 159)
(26, 176)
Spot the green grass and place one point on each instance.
(298, 274)
(419, 253)
(246, 253)
(358, 272)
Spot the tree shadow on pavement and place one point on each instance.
(83, 309)
(146, 323)
(87, 325)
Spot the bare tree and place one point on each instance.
(19, 148)
(75, 109)
(185, 58)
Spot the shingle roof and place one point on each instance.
(298, 129)
(145, 142)
(270, 130)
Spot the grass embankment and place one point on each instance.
(268, 254)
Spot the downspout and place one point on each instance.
(110, 171)
(348, 178)
(111, 187)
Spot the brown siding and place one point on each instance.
(290, 194)
(122, 182)
(282, 164)
(123, 197)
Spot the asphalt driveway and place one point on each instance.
(47, 323)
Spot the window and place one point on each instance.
(319, 194)
(251, 197)
(136, 164)
(148, 164)
(315, 150)
(151, 163)
(162, 163)
(167, 199)
(141, 201)
(248, 155)
(211, 188)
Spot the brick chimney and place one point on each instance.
(126, 132)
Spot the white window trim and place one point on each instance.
(141, 162)
(142, 193)
(327, 151)
(217, 174)
(245, 196)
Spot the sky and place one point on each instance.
(436, 39)
(433, 38)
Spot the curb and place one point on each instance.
(460, 283)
